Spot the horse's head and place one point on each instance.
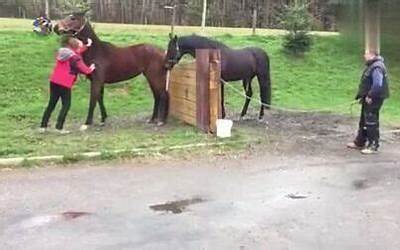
(72, 24)
(173, 52)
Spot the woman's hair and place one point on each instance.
(70, 41)
(65, 40)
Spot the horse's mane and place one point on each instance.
(202, 41)
(91, 31)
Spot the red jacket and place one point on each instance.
(69, 64)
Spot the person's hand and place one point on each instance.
(89, 42)
(92, 67)
(368, 100)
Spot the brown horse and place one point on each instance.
(115, 64)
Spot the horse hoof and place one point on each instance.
(159, 124)
(150, 121)
(84, 127)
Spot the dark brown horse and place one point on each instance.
(115, 64)
(236, 64)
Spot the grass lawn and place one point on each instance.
(326, 77)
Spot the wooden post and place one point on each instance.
(204, 15)
(202, 89)
(195, 90)
(173, 19)
(215, 89)
(47, 9)
(372, 25)
(254, 20)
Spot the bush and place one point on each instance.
(297, 43)
(297, 21)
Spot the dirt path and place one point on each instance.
(299, 191)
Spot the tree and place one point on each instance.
(297, 21)
(204, 15)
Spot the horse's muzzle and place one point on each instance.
(56, 29)
(60, 30)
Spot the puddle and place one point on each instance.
(360, 184)
(43, 220)
(176, 207)
(70, 215)
(296, 196)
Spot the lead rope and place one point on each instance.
(167, 80)
(284, 108)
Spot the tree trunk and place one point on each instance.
(47, 8)
(143, 12)
(204, 15)
(254, 20)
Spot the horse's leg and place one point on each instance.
(249, 93)
(95, 91)
(265, 94)
(155, 108)
(264, 80)
(154, 76)
(102, 107)
(163, 107)
(222, 101)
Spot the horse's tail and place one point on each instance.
(263, 75)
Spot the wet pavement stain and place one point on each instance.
(70, 215)
(360, 184)
(44, 220)
(296, 196)
(176, 207)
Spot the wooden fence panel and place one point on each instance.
(195, 93)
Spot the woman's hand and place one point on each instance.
(92, 67)
(368, 100)
(89, 42)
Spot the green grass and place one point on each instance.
(326, 77)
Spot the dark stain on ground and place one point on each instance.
(296, 196)
(360, 184)
(70, 215)
(176, 207)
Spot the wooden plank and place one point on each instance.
(215, 89)
(183, 73)
(183, 105)
(182, 91)
(190, 66)
(185, 117)
(183, 81)
(202, 100)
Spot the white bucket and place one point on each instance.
(224, 128)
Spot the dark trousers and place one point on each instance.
(57, 92)
(368, 130)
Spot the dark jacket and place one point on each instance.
(374, 81)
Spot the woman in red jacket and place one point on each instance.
(69, 64)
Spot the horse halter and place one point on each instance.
(80, 29)
(175, 59)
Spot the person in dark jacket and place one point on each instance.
(373, 90)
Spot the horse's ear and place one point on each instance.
(176, 37)
(170, 36)
(82, 13)
(86, 12)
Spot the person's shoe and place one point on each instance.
(352, 145)
(369, 151)
(63, 131)
(42, 130)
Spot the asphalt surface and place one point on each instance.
(257, 201)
